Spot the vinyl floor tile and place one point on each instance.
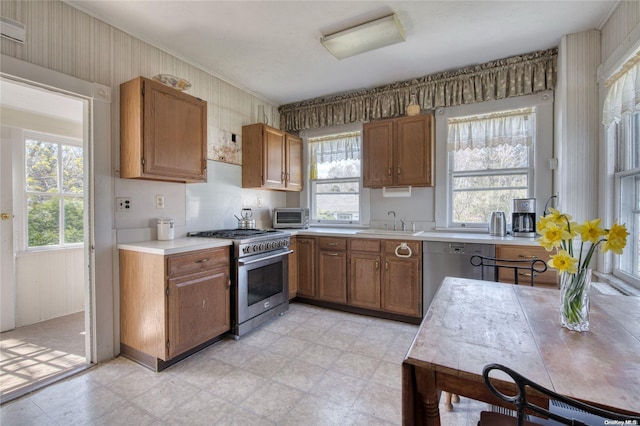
(312, 366)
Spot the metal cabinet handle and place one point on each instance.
(389, 172)
(205, 260)
(333, 244)
(331, 254)
(526, 256)
(386, 265)
(377, 265)
(398, 171)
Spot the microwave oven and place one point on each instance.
(290, 217)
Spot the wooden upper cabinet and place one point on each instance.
(413, 151)
(294, 162)
(377, 150)
(271, 159)
(398, 152)
(163, 133)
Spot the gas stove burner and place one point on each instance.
(231, 233)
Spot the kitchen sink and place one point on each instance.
(387, 232)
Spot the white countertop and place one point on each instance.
(179, 245)
(182, 245)
(445, 236)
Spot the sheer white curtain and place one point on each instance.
(488, 131)
(623, 97)
(333, 148)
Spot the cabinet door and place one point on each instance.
(175, 133)
(364, 280)
(332, 276)
(306, 267)
(377, 154)
(412, 151)
(294, 163)
(198, 309)
(273, 157)
(293, 268)
(402, 286)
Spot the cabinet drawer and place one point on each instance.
(197, 261)
(548, 278)
(325, 243)
(364, 244)
(391, 245)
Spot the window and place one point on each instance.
(53, 191)
(490, 161)
(334, 181)
(627, 178)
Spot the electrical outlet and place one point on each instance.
(159, 201)
(123, 204)
(259, 203)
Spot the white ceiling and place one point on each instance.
(272, 48)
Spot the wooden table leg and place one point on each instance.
(429, 413)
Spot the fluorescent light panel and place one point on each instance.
(365, 37)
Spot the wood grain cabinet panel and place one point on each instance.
(402, 278)
(293, 267)
(271, 159)
(364, 280)
(163, 133)
(332, 270)
(546, 279)
(170, 305)
(398, 152)
(306, 267)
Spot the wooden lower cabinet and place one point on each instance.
(171, 305)
(306, 267)
(365, 275)
(332, 270)
(364, 280)
(402, 278)
(545, 279)
(293, 267)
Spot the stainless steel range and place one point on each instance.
(260, 289)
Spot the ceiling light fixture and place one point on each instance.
(364, 37)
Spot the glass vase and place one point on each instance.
(574, 299)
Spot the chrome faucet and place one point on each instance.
(390, 212)
(403, 225)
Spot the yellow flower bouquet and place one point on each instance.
(557, 233)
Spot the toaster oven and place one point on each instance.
(290, 217)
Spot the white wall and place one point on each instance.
(66, 40)
(50, 284)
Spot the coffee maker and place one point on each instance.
(523, 218)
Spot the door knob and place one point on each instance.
(5, 216)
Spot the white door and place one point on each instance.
(7, 276)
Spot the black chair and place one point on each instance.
(562, 410)
(531, 266)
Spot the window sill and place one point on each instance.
(615, 282)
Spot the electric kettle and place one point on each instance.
(498, 224)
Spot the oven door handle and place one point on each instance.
(273, 256)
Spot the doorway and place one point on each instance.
(44, 254)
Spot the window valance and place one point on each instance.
(623, 96)
(514, 76)
(513, 128)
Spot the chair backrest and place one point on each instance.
(532, 266)
(570, 417)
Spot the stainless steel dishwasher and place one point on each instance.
(450, 259)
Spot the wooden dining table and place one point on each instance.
(472, 323)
